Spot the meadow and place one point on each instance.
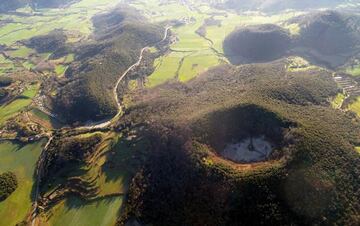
(22, 101)
(74, 19)
(354, 71)
(355, 106)
(338, 101)
(110, 171)
(21, 160)
(76, 212)
(191, 54)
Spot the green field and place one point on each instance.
(165, 68)
(355, 106)
(191, 54)
(76, 212)
(25, 99)
(73, 19)
(338, 101)
(196, 64)
(60, 70)
(354, 71)
(21, 160)
(112, 180)
(22, 52)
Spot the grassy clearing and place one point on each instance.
(60, 69)
(354, 71)
(76, 212)
(21, 161)
(196, 64)
(338, 101)
(22, 52)
(355, 106)
(115, 174)
(5, 65)
(25, 99)
(357, 149)
(44, 119)
(165, 68)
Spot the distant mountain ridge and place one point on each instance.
(280, 5)
(327, 38)
(11, 5)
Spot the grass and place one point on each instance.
(76, 212)
(60, 69)
(21, 160)
(355, 106)
(111, 170)
(196, 64)
(357, 149)
(354, 71)
(44, 119)
(5, 65)
(25, 99)
(191, 54)
(165, 69)
(338, 101)
(22, 52)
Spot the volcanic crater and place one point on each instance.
(245, 134)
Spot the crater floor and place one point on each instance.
(249, 150)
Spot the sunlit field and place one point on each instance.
(22, 161)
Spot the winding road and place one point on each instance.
(85, 128)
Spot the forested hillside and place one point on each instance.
(326, 38)
(119, 36)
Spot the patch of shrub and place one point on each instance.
(8, 184)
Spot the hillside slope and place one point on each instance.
(310, 178)
(258, 43)
(327, 38)
(118, 39)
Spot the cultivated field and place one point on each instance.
(21, 160)
(76, 212)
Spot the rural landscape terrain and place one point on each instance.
(179, 112)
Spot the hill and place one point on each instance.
(258, 43)
(330, 36)
(186, 180)
(118, 38)
(327, 38)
